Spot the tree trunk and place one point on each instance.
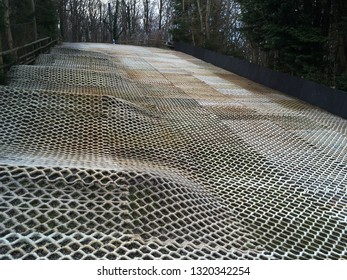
(146, 14)
(110, 20)
(8, 25)
(339, 13)
(62, 19)
(265, 58)
(160, 13)
(207, 19)
(87, 33)
(133, 20)
(255, 54)
(227, 24)
(100, 24)
(129, 21)
(200, 17)
(115, 22)
(32, 2)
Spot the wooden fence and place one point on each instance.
(25, 54)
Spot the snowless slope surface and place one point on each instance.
(123, 152)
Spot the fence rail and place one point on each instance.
(25, 54)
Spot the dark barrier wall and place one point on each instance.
(334, 101)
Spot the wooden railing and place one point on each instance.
(24, 54)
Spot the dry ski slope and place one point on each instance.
(122, 152)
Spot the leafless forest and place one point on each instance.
(306, 38)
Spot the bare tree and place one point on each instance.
(160, 14)
(119, 20)
(32, 2)
(8, 24)
(62, 18)
(207, 19)
(146, 16)
(202, 29)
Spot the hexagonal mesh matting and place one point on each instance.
(121, 152)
